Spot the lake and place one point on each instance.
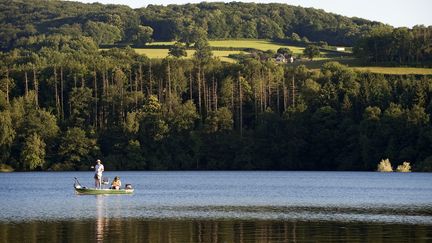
(219, 207)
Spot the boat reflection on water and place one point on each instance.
(105, 225)
(101, 217)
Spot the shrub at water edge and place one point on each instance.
(6, 168)
(385, 166)
(405, 167)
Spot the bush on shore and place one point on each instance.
(385, 166)
(405, 167)
(6, 168)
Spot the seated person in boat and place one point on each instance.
(116, 184)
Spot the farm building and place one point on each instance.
(281, 58)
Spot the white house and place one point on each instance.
(281, 59)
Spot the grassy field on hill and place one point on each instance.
(357, 65)
(262, 45)
(397, 70)
(162, 53)
(269, 45)
(161, 43)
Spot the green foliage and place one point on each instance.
(285, 51)
(102, 33)
(134, 159)
(311, 51)
(152, 126)
(141, 35)
(417, 116)
(243, 20)
(338, 119)
(3, 101)
(33, 152)
(66, 166)
(177, 50)
(203, 51)
(192, 34)
(42, 123)
(7, 133)
(200, 113)
(399, 45)
(295, 37)
(226, 92)
(75, 146)
(183, 116)
(268, 29)
(69, 29)
(80, 100)
(310, 90)
(108, 24)
(60, 43)
(372, 113)
(220, 120)
(132, 122)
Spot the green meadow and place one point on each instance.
(356, 64)
(162, 53)
(264, 45)
(257, 44)
(396, 70)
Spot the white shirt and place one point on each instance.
(99, 168)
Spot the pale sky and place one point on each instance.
(394, 12)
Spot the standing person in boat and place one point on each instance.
(99, 168)
(116, 184)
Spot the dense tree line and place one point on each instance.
(106, 24)
(109, 24)
(396, 46)
(64, 103)
(251, 20)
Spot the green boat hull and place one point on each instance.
(94, 191)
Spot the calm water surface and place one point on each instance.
(219, 207)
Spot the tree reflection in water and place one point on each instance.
(169, 230)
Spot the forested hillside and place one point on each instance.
(70, 103)
(400, 46)
(65, 102)
(109, 24)
(250, 20)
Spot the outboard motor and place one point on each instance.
(77, 185)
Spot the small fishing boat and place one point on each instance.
(95, 191)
